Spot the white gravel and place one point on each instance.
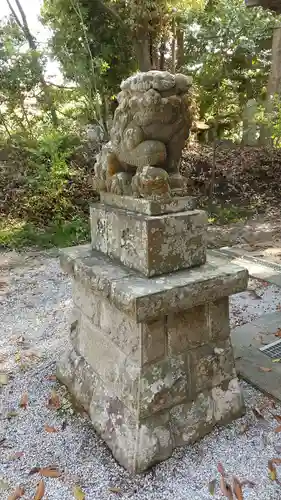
(34, 313)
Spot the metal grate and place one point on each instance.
(272, 350)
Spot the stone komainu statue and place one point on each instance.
(150, 127)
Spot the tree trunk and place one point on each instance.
(180, 48)
(142, 48)
(162, 51)
(274, 85)
(173, 48)
(32, 45)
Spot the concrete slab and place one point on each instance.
(257, 267)
(251, 363)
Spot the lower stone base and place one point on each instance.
(138, 443)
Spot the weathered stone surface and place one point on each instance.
(150, 128)
(153, 245)
(197, 326)
(188, 329)
(163, 385)
(138, 443)
(149, 207)
(192, 420)
(153, 343)
(228, 401)
(148, 299)
(211, 365)
(219, 319)
(151, 361)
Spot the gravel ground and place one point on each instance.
(34, 310)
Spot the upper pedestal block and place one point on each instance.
(171, 239)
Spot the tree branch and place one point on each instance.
(14, 14)
(61, 86)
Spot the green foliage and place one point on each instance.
(94, 50)
(19, 234)
(228, 51)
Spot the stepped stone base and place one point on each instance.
(151, 359)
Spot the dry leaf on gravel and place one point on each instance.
(12, 414)
(24, 401)
(17, 357)
(221, 469)
(237, 488)
(18, 493)
(51, 378)
(114, 490)
(4, 379)
(50, 472)
(276, 461)
(277, 429)
(50, 429)
(16, 455)
(226, 489)
(54, 401)
(278, 333)
(78, 493)
(272, 471)
(265, 369)
(40, 490)
(212, 487)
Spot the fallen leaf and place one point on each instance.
(226, 489)
(114, 490)
(16, 455)
(54, 401)
(237, 488)
(18, 493)
(17, 357)
(50, 472)
(264, 369)
(12, 414)
(276, 461)
(221, 469)
(272, 471)
(212, 487)
(3, 485)
(50, 429)
(24, 401)
(4, 379)
(78, 493)
(278, 333)
(40, 490)
(277, 360)
(278, 429)
(51, 378)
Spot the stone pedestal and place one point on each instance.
(151, 357)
